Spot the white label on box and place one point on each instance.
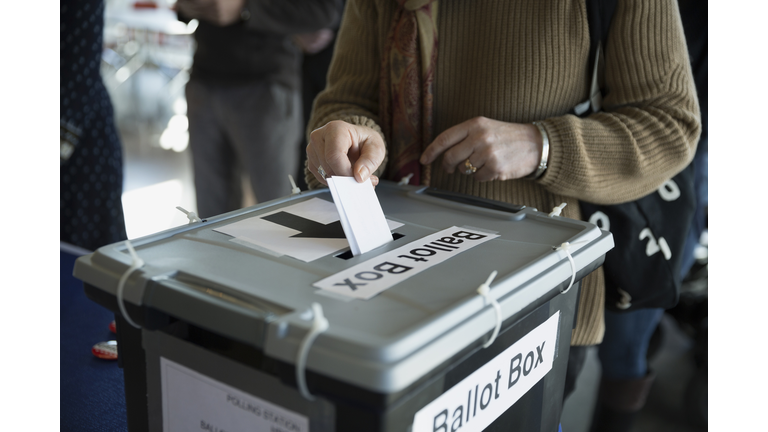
(369, 278)
(195, 402)
(476, 401)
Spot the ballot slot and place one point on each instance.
(347, 254)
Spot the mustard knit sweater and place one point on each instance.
(526, 60)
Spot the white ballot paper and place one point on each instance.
(360, 212)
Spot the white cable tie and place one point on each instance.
(557, 210)
(405, 180)
(294, 189)
(319, 325)
(136, 263)
(484, 290)
(566, 247)
(192, 216)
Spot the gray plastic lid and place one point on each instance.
(383, 344)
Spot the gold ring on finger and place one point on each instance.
(469, 169)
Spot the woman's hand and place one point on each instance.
(499, 150)
(344, 149)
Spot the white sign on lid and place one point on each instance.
(307, 230)
(479, 399)
(371, 277)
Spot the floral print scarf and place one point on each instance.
(407, 79)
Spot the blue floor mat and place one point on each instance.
(92, 394)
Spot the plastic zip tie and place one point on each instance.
(557, 210)
(192, 216)
(319, 325)
(294, 189)
(484, 290)
(566, 247)
(405, 180)
(136, 263)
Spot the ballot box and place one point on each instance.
(262, 320)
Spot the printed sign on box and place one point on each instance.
(476, 401)
(195, 402)
(371, 277)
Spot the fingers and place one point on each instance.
(490, 163)
(344, 149)
(455, 154)
(338, 147)
(371, 156)
(455, 158)
(449, 138)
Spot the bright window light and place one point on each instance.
(152, 209)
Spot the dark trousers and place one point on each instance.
(253, 128)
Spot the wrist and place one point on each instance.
(542, 166)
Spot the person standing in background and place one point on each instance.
(91, 170)
(243, 97)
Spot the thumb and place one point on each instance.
(371, 156)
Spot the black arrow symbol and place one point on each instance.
(308, 227)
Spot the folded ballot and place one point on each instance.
(360, 213)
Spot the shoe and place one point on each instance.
(619, 403)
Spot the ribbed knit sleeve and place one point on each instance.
(353, 78)
(650, 122)
(352, 91)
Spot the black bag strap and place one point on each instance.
(599, 16)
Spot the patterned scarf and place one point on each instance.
(407, 75)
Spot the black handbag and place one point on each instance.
(643, 269)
